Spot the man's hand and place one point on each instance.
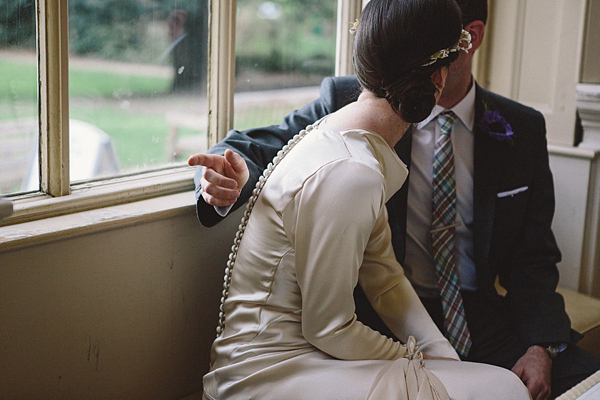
(223, 177)
(534, 369)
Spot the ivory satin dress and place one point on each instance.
(318, 228)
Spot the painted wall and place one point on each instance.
(535, 49)
(537, 52)
(590, 71)
(574, 186)
(125, 313)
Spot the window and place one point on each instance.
(137, 86)
(137, 71)
(283, 51)
(18, 92)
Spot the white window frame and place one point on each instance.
(57, 196)
(348, 11)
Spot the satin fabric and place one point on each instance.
(318, 228)
(290, 312)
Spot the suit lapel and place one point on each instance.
(398, 203)
(487, 163)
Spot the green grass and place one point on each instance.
(139, 138)
(100, 98)
(85, 83)
(18, 81)
(18, 89)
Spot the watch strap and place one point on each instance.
(554, 350)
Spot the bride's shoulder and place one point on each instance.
(352, 116)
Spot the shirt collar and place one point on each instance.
(464, 110)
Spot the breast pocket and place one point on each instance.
(511, 205)
(512, 192)
(509, 216)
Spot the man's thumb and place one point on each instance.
(236, 161)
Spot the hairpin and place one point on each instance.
(443, 53)
(353, 27)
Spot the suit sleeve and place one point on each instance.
(531, 275)
(259, 146)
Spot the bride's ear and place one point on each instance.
(439, 80)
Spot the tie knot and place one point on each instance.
(446, 119)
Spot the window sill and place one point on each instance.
(105, 193)
(91, 221)
(97, 206)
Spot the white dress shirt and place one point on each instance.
(418, 263)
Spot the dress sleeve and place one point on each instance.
(330, 222)
(392, 296)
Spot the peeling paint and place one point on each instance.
(12, 234)
(93, 353)
(105, 215)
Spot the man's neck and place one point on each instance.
(452, 95)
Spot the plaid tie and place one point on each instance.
(442, 236)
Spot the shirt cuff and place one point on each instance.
(223, 211)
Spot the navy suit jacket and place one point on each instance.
(512, 235)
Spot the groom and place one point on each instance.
(505, 202)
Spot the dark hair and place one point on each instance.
(473, 10)
(394, 39)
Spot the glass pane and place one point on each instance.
(18, 94)
(137, 84)
(284, 49)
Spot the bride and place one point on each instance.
(317, 226)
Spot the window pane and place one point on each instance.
(137, 84)
(18, 94)
(283, 50)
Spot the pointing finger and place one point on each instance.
(205, 160)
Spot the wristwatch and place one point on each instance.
(554, 349)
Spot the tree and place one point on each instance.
(17, 23)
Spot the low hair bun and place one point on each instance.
(416, 105)
(416, 97)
